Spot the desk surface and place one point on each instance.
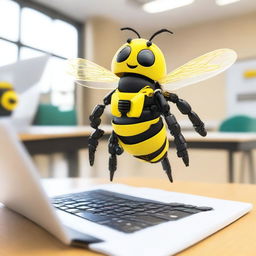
(48, 132)
(20, 237)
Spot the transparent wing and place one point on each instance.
(89, 74)
(199, 69)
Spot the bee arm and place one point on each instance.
(94, 123)
(107, 99)
(186, 109)
(174, 127)
(113, 149)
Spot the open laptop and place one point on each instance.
(114, 219)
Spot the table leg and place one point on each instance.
(230, 166)
(73, 163)
(251, 167)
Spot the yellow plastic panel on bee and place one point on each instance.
(148, 146)
(133, 129)
(162, 153)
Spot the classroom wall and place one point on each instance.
(207, 98)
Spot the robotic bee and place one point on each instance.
(141, 99)
(8, 99)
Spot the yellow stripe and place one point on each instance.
(148, 146)
(162, 153)
(133, 129)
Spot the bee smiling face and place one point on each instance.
(138, 57)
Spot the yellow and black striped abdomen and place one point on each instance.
(145, 140)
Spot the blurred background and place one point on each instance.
(91, 29)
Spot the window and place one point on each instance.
(29, 30)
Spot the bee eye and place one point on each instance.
(146, 58)
(123, 54)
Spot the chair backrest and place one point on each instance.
(51, 115)
(238, 123)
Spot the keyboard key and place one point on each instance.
(147, 219)
(204, 208)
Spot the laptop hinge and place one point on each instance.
(81, 239)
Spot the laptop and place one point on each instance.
(114, 219)
(27, 86)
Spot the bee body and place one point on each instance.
(139, 104)
(136, 119)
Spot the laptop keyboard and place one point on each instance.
(123, 212)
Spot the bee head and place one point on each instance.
(140, 56)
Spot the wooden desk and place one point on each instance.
(47, 140)
(20, 237)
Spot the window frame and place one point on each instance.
(53, 14)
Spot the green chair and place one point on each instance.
(51, 115)
(242, 123)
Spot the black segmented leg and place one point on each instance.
(93, 143)
(113, 149)
(95, 122)
(97, 134)
(185, 109)
(167, 167)
(173, 126)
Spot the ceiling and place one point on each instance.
(129, 14)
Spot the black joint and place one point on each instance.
(163, 104)
(97, 134)
(173, 97)
(180, 141)
(97, 112)
(149, 43)
(118, 150)
(95, 123)
(184, 107)
(129, 40)
(172, 124)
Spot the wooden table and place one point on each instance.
(21, 237)
(69, 140)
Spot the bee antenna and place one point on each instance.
(127, 28)
(159, 32)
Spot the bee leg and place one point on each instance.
(173, 126)
(186, 109)
(93, 143)
(113, 149)
(167, 167)
(95, 122)
(97, 134)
